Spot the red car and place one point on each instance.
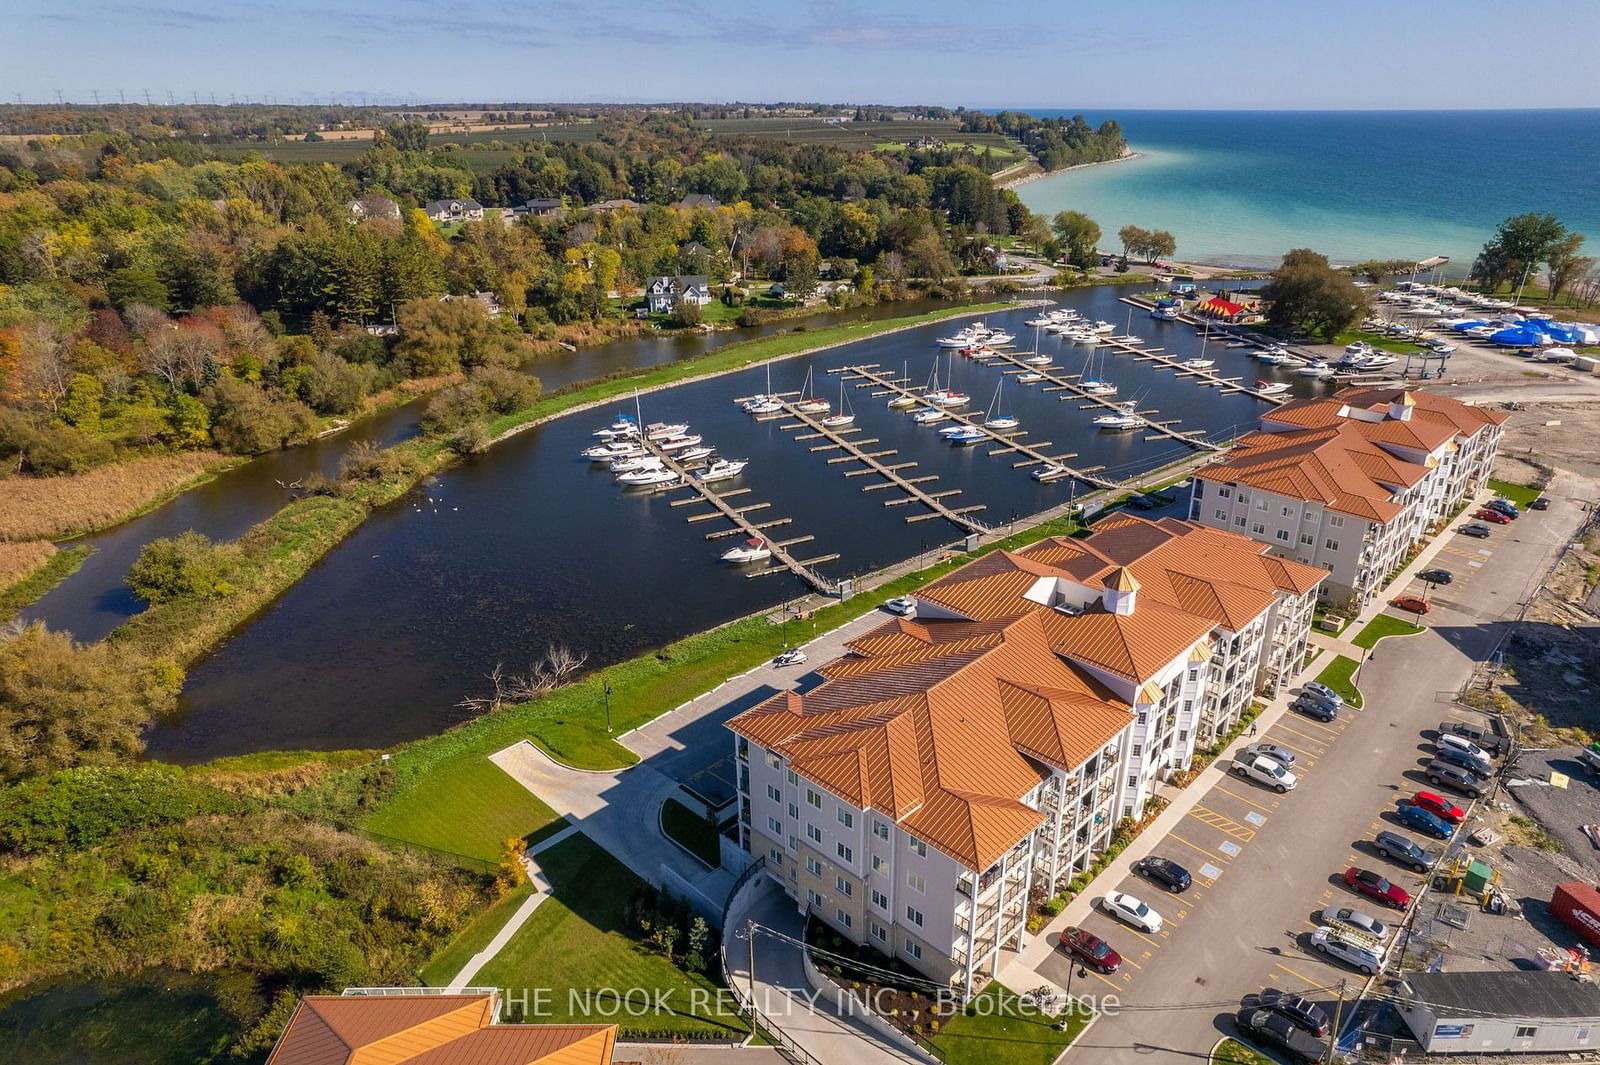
(1414, 603)
(1376, 887)
(1492, 516)
(1089, 949)
(1439, 806)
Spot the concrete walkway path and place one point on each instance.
(541, 891)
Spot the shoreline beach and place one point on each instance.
(1023, 179)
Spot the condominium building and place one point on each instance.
(1352, 482)
(953, 763)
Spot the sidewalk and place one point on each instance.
(541, 891)
(1021, 970)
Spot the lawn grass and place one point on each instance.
(444, 966)
(1520, 494)
(1233, 1052)
(692, 832)
(471, 808)
(995, 1029)
(1377, 340)
(578, 943)
(1384, 625)
(56, 567)
(1337, 676)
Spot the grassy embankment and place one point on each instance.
(1520, 494)
(277, 552)
(32, 568)
(692, 832)
(1338, 676)
(1381, 626)
(1377, 340)
(995, 1029)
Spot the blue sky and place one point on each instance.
(1154, 54)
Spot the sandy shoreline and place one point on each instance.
(1127, 153)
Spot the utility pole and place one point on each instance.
(1333, 1038)
(750, 943)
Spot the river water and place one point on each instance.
(529, 544)
(93, 601)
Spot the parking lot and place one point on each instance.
(1265, 865)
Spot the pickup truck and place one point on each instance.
(1265, 771)
(1491, 736)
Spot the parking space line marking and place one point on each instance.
(1193, 846)
(1310, 983)
(1332, 733)
(1223, 823)
(1304, 736)
(1297, 748)
(1243, 799)
(1141, 935)
(1114, 987)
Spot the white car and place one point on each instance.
(1266, 771)
(1345, 948)
(1360, 920)
(1126, 908)
(904, 606)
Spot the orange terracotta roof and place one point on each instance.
(1465, 418)
(421, 1029)
(1336, 466)
(1134, 646)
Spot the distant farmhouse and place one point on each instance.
(454, 211)
(373, 206)
(924, 142)
(607, 206)
(662, 293)
(698, 199)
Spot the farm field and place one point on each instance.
(481, 159)
(873, 136)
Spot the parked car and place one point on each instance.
(1447, 774)
(1313, 707)
(1539, 504)
(1276, 1030)
(1394, 845)
(1323, 692)
(1439, 807)
(1455, 755)
(1281, 755)
(1493, 517)
(1267, 772)
(1423, 821)
(792, 657)
(1414, 603)
(1377, 887)
(904, 606)
(1490, 737)
(1089, 949)
(1164, 871)
(1300, 1011)
(1476, 529)
(1436, 576)
(1360, 920)
(1329, 941)
(1457, 742)
(1126, 908)
(1504, 506)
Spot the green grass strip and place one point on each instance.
(1520, 494)
(996, 1028)
(55, 569)
(1384, 625)
(692, 832)
(1338, 676)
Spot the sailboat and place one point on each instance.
(845, 415)
(809, 403)
(943, 397)
(1092, 385)
(903, 401)
(994, 420)
(766, 402)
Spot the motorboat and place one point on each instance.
(1237, 344)
(1122, 417)
(1439, 347)
(662, 430)
(1030, 377)
(1165, 314)
(1377, 361)
(624, 426)
(929, 415)
(1271, 388)
(635, 462)
(1198, 364)
(613, 449)
(678, 443)
(1088, 340)
(1103, 328)
(1360, 347)
(754, 549)
(1050, 471)
(967, 434)
(695, 454)
(1316, 368)
(1093, 387)
(945, 397)
(1272, 353)
(998, 339)
(650, 476)
(721, 470)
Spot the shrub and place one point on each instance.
(187, 566)
(470, 439)
(456, 406)
(79, 808)
(503, 389)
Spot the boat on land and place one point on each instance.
(754, 549)
(648, 476)
(721, 470)
(1122, 417)
(1271, 388)
(845, 416)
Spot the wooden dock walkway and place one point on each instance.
(870, 376)
(785, 562)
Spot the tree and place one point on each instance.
(1079, 233)
(1134, 240)
(408, 136)
(63, 704)
(441, 336)
(1566, 261)
(929, 258)
(687, 312)
(1160, 245)
(187, 566)
(1308, 295)
(245, 420)
(1517, 248)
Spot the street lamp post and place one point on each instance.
(607, 689)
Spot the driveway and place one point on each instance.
(1265, 865)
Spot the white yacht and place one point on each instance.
(1029, 378)
(1198, 364)
(763, 405)
(614, 449)
(1271, 388)
(1165, 314)
(1041, 359)
(679, 442)
(1123, 417)
(944, 397)
(1316, 368)
(998, 339)
(1050, 471)
(662, 430)
(845, 416)
(1103, 328)
(721, 470)
(929, 415)
(1272, 353)
(695, 454)
(650, 476)
(635, 462)
(754, 549)
(623, 426)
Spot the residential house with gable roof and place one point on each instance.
(954, 761)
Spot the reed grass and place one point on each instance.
(57, 508)
(32, 568)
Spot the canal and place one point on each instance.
(529, 544)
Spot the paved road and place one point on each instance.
(1266, 864)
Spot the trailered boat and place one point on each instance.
(754, 549)
(721, 470)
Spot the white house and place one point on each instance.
(662, 293)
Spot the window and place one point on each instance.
(1137, 748)
(877, 864)
(1194, 673)
(1307, 538)
(914, 915)
(879, 932)
(845, 853)
(1183, 734)
(813, 898)
(846, 888)
(1188, 705)
(916, 883)
(1142, 716)
(846, 818)
(914, 950)
(880, 900)
(917, 845)
(1127, 810)
(1258, 528)
(1283, 534)
(814, 834)
(813, 867)
(844, 918)
(794, 778)
(1222, 515)
(1239, 521)
(880, 828)
(1133, 780)
(1526, 1031)
(1261, 504)
(1224, 492)
(775, 826)
(1288, 512)
(773, 760)
(1336, 520)
(793, 843)
(773, 793)
(777, 857)
(794, 811)
(813, 798)
(1331, 544)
